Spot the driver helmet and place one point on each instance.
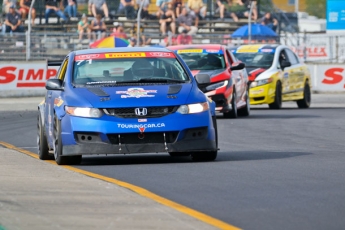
(142, 68)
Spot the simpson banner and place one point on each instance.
(328, 78)
(24, 78)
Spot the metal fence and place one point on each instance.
(309, 47)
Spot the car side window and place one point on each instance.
(282, 57)
(62, 70)
(231, 59)
(292, 57)
(62, 73)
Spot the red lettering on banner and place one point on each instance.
(35, 76)
(26, 77)
(21, 73)
(51, 73)
(6, 76)
(333, 76)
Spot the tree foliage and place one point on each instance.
(316, 8)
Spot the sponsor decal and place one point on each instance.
(190, 51)
(125, 55)
(141, 127)
(88, 57)
(286, 75)
(267, 50)
(136, 93)
(58, 102)
(255, 73)
(160, 54)
(249, 49)
(212, 51)
(25, 75)
(142, 120)
(257, 91)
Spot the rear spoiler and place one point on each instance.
(54, 63)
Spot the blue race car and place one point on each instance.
(125, 100)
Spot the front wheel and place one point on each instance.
(59, 159)
(233, 112)
(305, 102)
(245, 111)
(43, 150)
(277, 104)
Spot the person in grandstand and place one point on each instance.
(99, 7)
(98, 28)
(54, 6)
(269, 21)
(84, 27)
(119, 31)
(197, 7)
(13, 21)
(184, 38)
(71, 8)
(24, 10)
(186, 22)
(168, 20)
(127, 7)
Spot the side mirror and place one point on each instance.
(285, 64)
(54, 84)
(239, 66)
(202, 78)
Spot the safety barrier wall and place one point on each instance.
(22, 79)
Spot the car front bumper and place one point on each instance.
(263, 94)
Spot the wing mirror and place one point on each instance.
(238, 66)
(54, 84)
(202, 78)
(285, 64)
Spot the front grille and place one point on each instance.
(151, 112)
(143, 138)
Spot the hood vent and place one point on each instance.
(98, 92)
(173, 89)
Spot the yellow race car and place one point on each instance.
(275, 75)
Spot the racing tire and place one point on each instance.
(245, 111)
(208, 155)
(59, 159)
(177, 154)
(43, 150)
(277, 104)
(233, 112)
(305, 102)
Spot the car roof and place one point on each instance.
(123, 49)
(196, 46)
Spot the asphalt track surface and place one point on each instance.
(277, 169)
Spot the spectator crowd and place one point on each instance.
(178, 19)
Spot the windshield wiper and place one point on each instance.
(155, 80)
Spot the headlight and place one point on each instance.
(83, 112)
(217, 85)
(193, 108)
(260, 82)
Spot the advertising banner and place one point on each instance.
(328, 78)
(24, 78)
(335, 15)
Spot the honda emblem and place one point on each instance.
(140, 111)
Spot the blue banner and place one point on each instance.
(335, 15)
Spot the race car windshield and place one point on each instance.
(204, 61)
(256, 59)
(119, 68)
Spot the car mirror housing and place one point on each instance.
(202, 78)
(285, 64)
(239, 66)
(54, 84)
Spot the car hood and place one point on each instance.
(131, 96)
(212, 73)
(254, 72)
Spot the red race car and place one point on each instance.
(228, 87)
